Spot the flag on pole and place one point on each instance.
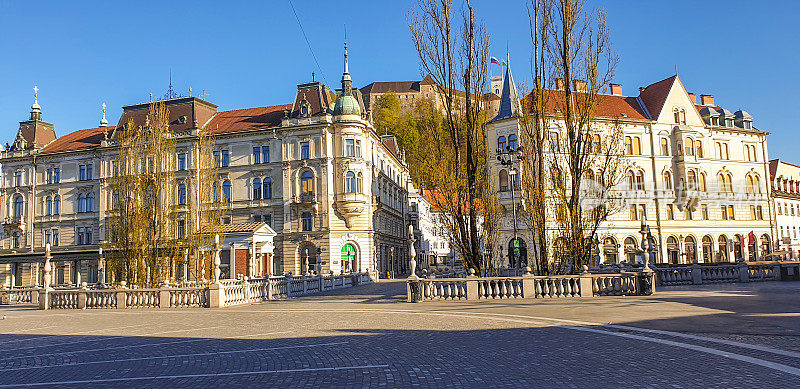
(494, 61)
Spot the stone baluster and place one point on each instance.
(44, 297)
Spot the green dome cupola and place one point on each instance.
(347, 103)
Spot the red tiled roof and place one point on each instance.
(247, 119)
(78, 140)
(608, 106)
(654, 95)
(441, 202)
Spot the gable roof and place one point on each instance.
(655, 95)
(391, 86)
(78, 140)
(247, 119)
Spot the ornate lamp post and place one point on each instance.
(412, 262)
(506, 158)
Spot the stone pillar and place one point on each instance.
(101, 268)
(82, 297)
(77, 273)
(697, 274)
(528, 284)
(744, 275)
(163, 296)
(587, 289)
(44, 297)
(472, 285)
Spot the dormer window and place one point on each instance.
(729, 123)
(714, 121)
(748, 125)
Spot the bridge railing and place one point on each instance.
(697, 274)
(530, 287)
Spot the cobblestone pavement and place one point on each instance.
(711, 336)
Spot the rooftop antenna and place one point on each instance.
(313, 77)
(190, 91)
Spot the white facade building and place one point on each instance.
(785, 180)
(697, 176)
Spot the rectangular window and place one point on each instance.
(306, 221)
(731, 214)
(256, 218)
(47, 236)
(217, 159)
(724, 210)
(256, 155)
(56, 175)
(358, 148)
(689, 215)
(637, 146)
(49, 176)
(226, 158)
(265, 154)
(670, 212)
(642, 212)
(704, 210)
(753, 212)
(349, 147)
(304, 150)
(182, 161)
(55, 237)
(17, 178)
(633, 212)
(760, 212)
(267, 219)
(82, 173)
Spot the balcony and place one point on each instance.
(305, 198)
(349, 205)
(11, 223)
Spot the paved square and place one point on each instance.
(711, 336)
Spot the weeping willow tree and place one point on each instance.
(158, 216)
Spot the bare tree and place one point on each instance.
(456, 59)
(574, 162)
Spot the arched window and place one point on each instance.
(48, 206)
(702, 182)
(256, 189)
(708, 249)
(673, 251)
(749, 184)
(503, 176)
(630, 250)
(719, 150)
(692, 178)
(18, 206)
(610, 249)
(512, 142)
(307, 183)
(667, 181)
(501, 145)
(226, 190)
(640, 180)
(267, 188)
(721, 182)
(664, 146)
(723, 249)
(699, 148)
(350, 182)
(728, 183)
(690, 248)
(56, 205)
(683, 116)
(215, 191)
(90, 202)
(756, 184)
(181, 194)
(81, 203)
(631, 180)
(688, 145)
(676, 115)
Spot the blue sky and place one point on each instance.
(252, 53)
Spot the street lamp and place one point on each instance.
(506, 158)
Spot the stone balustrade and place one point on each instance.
(530, 287)
(24, 295)
(245, 291)
(225, 293)
(697, 274)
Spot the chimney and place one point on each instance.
(559, 83)
(707, 99)
(579, 85)
(616, 89)
(693, 97)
